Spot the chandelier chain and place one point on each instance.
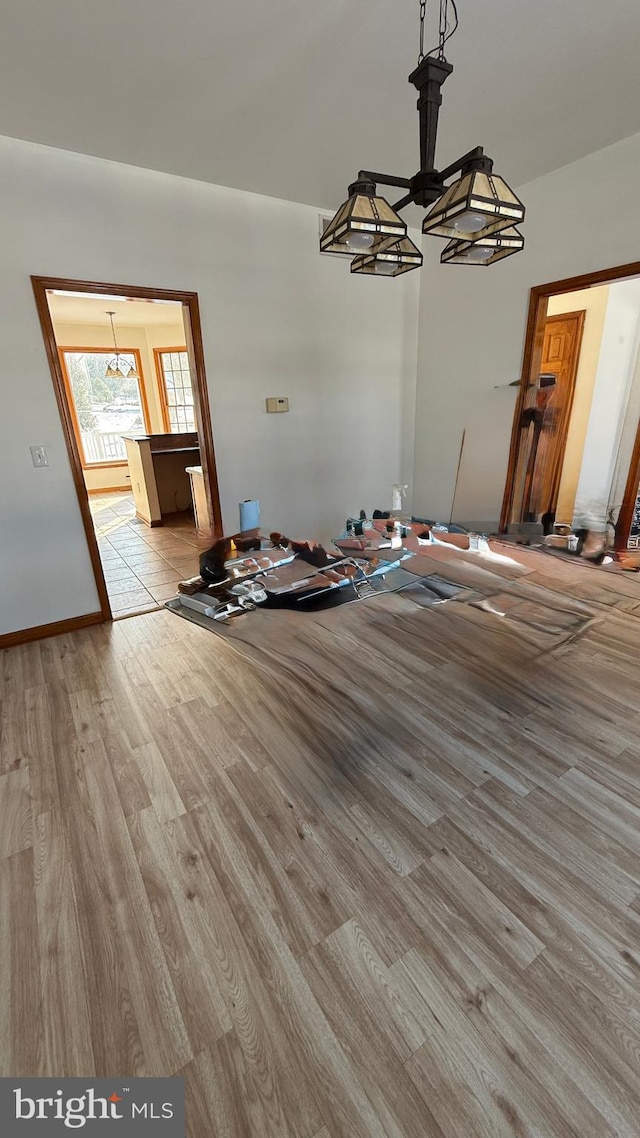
(423, 13)
(445, 29)
(442, 28)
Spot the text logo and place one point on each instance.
(111, 1108)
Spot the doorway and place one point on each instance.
(127, 364)
(576, 419)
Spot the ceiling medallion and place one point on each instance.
(477, 211)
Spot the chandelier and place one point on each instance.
(114, 370)
(477, 211)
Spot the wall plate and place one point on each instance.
(277, 403)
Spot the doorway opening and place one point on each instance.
(127, 365)
(575, 445)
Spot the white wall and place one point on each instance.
(581, 218)
(278, 319)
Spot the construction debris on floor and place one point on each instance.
(239, 574)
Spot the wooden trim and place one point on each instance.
(109, 490)
(162, 392)
(105, 465)
(162, 386)
(40, 286)
(193, 329)
(532, 354)
(42, 631)
(625, 517)
(589, 280)
(141, 292)
(193, 332)
(144, 402)
(577, 314)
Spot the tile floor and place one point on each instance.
(142, 566)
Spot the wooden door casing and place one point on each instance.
(628, 508)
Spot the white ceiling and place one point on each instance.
(70, 308)
(292, 97)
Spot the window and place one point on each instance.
(104, 409)
(175, 385)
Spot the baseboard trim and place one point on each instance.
(42, 631)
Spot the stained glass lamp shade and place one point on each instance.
(391, 261)
(484, 251)
(364, 223)
(478, 204)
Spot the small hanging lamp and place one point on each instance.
(114, 370)
(484, 250)
(363, 224)
(400, 257)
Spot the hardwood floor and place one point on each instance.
(370, 872)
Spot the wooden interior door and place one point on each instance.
(543, 437)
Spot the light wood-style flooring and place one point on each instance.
(371, 872)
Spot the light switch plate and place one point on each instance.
(277, 403)
(39, 456)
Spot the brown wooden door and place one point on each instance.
(543, 439)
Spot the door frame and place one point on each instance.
(532, 354)
(193, 332)
(625, 517)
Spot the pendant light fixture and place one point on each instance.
(391, 260)
(478, 204)
(365, 223)
(114, 370)
(472, 210)
(483, 250)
